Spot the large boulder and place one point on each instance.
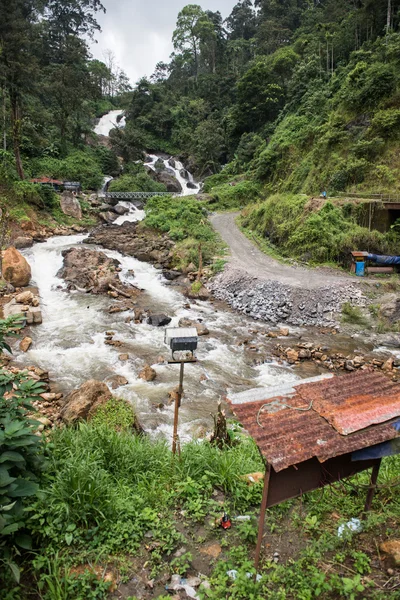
(159, 320)
(89, 270)
(167, 179)
(82, 404)
(23, 242)
(170, 182)
(108, 216)
(70, 205)
(16, 269)
(121, 209)
(131, 240)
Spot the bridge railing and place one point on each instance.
(134, 195)
(365, 196)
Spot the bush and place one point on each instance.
(136, 183)
(319, 234)
(235, 195)
(181, 218)
(21, 458)
(387, 122)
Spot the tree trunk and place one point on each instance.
(16, 133)
(389, 17)
(4, 120)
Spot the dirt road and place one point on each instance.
(247, 257)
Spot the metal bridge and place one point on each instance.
(133, 195)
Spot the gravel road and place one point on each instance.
(244, 255)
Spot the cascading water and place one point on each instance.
(109, 121)
(176, 170)
(70, 343)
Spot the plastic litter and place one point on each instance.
(188, 585)
(233, 575)
(242, 518)
(354, 525)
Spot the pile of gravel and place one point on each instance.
(275, 302)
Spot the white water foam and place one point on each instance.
(70, 343)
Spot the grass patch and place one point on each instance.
(110, 499)
(353, 314)
(117, 414)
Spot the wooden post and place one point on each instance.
(262, 516)
(372, 487)
(178, 401)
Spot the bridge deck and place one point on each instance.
(133, 195)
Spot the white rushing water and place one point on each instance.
(70, 343)
(109, 121)
(177, 170)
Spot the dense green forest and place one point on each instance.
(51, 93)
(298, 95)
(294, 95)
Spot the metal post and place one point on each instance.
(178, 400)
(262, 515)
(372, 487)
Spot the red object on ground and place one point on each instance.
(226, 522)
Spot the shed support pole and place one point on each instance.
(372, 487)
(178, 401)
(262, 515)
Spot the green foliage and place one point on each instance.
(78, 166)
(115, 413)
(353, 314)
(179, 217)
(234, 195)
(21, 458)
(317, 234)
(57, 581)
(367, 84)
(136, 183)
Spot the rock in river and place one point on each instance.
(133, 241)
(159, 320)
(84, 402)
(16, 269)
(90, 270)
(148, 373)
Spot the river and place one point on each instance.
(70, 342)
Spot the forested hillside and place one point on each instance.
(300, 95)
(51, 93)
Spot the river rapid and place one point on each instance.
(70, 342)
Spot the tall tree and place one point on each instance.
(188, 32)
(17, 61)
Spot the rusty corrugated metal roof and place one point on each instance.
(287, 436)
(375, 400)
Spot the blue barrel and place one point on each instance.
(360, 269)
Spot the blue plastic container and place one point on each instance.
(360, 269)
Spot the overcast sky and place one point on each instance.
(139, 32)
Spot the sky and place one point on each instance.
(139, 32)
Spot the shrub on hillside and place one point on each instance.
(136, 183)
(235, 195)
(303, 230)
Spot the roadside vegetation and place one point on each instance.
(186, 222)
(314, 230)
